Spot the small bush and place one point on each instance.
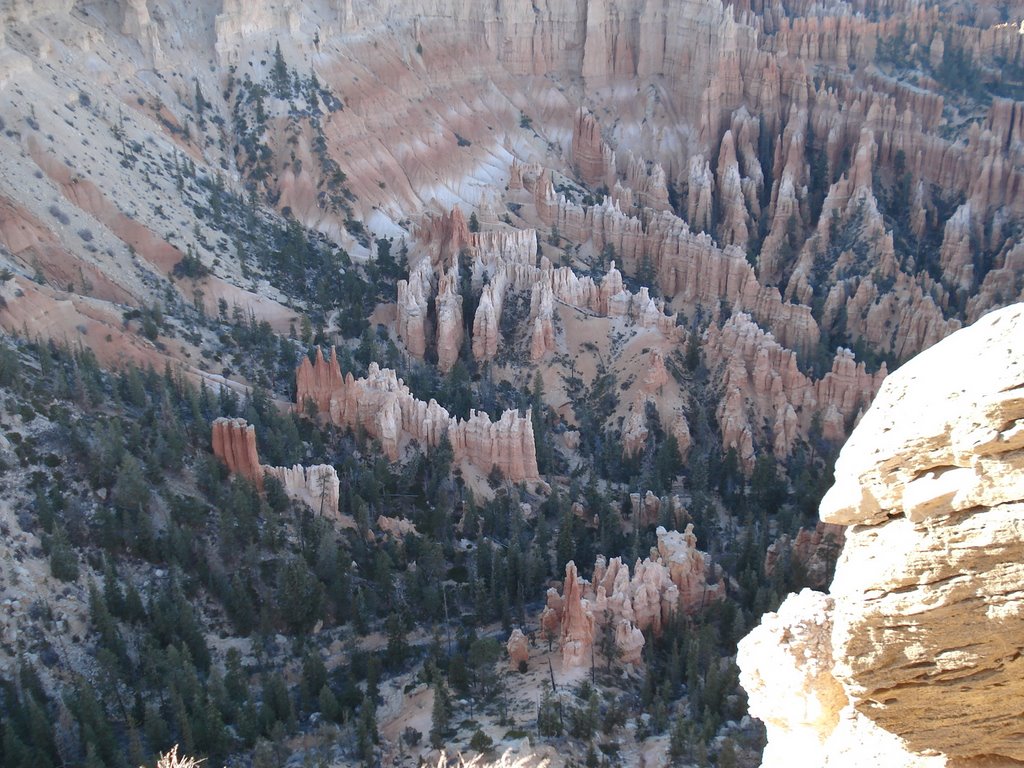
(411, 736)
(481, 742)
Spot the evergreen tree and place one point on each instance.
(440, 715)
(300, 596)
(279, 75)
(63, 560)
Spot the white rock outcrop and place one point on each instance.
(916, 657)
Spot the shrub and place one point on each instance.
(481, 742)
(191, 266)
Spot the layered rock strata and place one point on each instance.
(917, 647)
(382, 406)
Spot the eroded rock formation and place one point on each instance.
(813, 550)
(621, 607)
(593, 159)
(384, 407)
(412, 308)
(761, 378)
(689, 266)
(923, 620)
(449, 320)
(648, 509)
(234, 443)
(518, 647)
(317, 486)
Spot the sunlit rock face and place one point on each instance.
(918, 639)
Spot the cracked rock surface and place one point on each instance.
(925, 616)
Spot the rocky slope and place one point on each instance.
(916, 645)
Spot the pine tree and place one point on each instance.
(314, 678)
(329, 706)
(279, 75)
(549, 721)
(63, 560)
(680, 740)
(131, 490)
(606, 640)
(440, 715)
(366, 731)
(300, 596)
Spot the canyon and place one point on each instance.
(511, 289)
(723, 211)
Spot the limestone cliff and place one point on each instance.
(916, 649)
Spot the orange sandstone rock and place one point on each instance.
(234, 443)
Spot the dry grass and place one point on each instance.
(173, 760)
(505, 761)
